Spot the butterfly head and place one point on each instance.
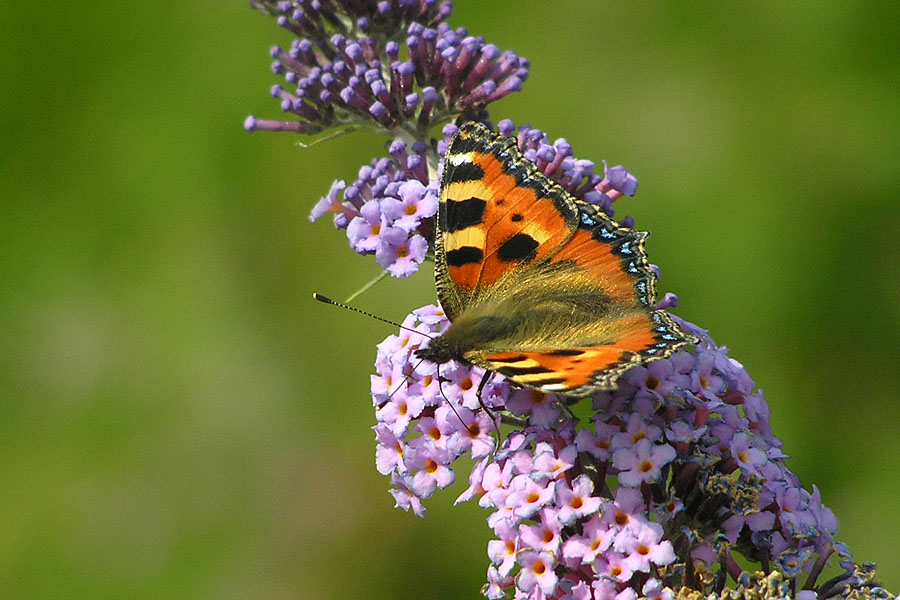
(438, 351)
(469, 332)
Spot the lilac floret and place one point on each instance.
(388, 210)
(620, 180)
(399, 253)
(415, 203)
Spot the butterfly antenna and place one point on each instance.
(328, 300)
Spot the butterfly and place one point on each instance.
(539, 286)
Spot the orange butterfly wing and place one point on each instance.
(494, 214)
(567, 292)
(584, 370)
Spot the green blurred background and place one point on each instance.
(178, 419)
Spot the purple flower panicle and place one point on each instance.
(676, 476)
(676, 479)
(347, 67)
(317, 18)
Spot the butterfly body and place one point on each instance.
(539, 286)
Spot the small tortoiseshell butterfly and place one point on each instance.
(539, 286)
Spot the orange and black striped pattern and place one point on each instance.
(539, 286)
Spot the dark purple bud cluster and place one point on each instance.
(342, 71)
(318, 19)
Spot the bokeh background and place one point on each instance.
(178, 419)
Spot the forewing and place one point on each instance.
(497, 213)
(611, 256)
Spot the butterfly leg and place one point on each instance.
(484, 379)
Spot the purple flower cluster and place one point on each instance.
(318, 18)
(728, 490)
(345, 70)
(423, 424)
(548, 515)
(388, 210)
(677, 475)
